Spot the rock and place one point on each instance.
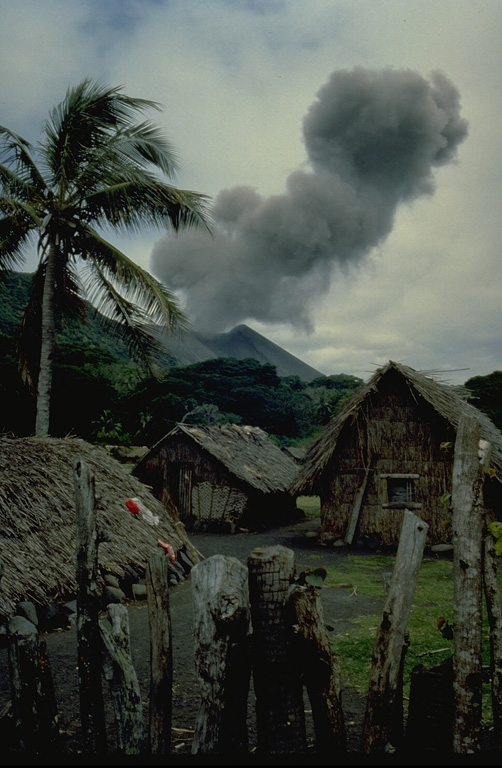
(111, 580)
(20, 626)
(28, 610)
(442, 548)
(113, 595)
(139, 591)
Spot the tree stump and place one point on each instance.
(221, 631)
(280, 715)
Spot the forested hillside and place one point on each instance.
(101, 395)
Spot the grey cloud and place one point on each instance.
(373, 140)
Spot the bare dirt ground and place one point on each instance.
(339, 607)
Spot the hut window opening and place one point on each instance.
(401, 490)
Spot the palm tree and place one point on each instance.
(99, 169)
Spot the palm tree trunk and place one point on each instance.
(46, 348)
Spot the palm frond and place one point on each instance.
(130, 204)
(15, 154)
(106, 264)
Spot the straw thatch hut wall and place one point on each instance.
(221, 476)
(38, 520)
(390, 448)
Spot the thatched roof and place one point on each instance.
(38, 518)
(247, 452)
(445, 399)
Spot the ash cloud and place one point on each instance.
(373, 140)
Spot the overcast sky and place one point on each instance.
(351, 150)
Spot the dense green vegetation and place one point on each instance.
(100, 394)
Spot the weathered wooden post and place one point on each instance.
(494, 611)
(387, 658)
(280, 714)
(88, 634)
(119, 671)
(34, 709)
(467, 588)
(319, 667)
(161, 653)
(221, 630)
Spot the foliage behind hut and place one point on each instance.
(38, 519)
(389, 448)
(221, 476)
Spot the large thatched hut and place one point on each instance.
(221, 476)
(38, 520)
(390, 448)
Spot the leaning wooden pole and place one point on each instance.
(391, 639)
(88, 633)
(280, 714)
(467, 588)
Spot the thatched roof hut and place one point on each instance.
(221, 475)
(389, 448)
(38, 519)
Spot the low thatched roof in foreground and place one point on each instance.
(246, 452)
(38, 518)
(447, 400)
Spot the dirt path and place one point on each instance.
(338, 607)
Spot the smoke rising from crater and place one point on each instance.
(373, 140)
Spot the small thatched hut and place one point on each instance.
(221, 476)
(390, 448)
(38, 520)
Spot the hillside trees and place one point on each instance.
(487, 395)
(96, 169)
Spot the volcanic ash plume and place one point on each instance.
(373, 140)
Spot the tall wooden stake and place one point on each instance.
(467, 588)
(88, 634)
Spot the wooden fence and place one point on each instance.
(259, 624)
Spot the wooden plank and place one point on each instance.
(382, 702)
(356, 509)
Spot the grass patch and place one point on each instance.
(433, 597)
(311, 505)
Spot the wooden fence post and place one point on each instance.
(34, 709)
(161, 653)
(320, 669)
(467, 588)
(391, 639)
(280, 714)
(118, 670)
(221, 630)
(92, 712)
